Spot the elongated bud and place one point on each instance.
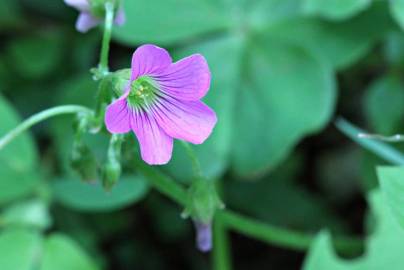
(82, 159)
(112, 169)
(203, 202)
(203, 236)
(111, 174)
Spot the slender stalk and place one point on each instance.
(162, 183)
(280, 236)
(381, 149)
(245, 225)
(39, 117)
(109, 19)
(194, 159)
(221, 248)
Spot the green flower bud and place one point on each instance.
(203, 201)
(83, 161)
(110, 175)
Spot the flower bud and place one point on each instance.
(203, 202)
(83, 161)
(111, 174)
(112, 169)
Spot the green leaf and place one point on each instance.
(19, 249)
(282, 107)
(60, 252)
(335, 9)
(340, 44)
(37, 56)
(265, 97)
(383, 248)
(391, 181)
(17, 174)
(10, 14)
(397, 10)
(33, 213)
(384, 104)
(168, 21)
(92, 198)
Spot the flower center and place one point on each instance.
(143, 92)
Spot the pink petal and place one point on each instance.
(191, 121)
(86, 21)
(148, 60)
(81, 5)
(117, 116)
(187, 79)
(155, 145)
(120, 17)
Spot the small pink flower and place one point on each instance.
(162, 102)
(87, 20)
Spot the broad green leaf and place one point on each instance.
(384, 104)
(257, 11)
(335, 9)
(19, 249)
(340, 44)
(10, 14)
(92, 198)
(32, 213)
(283, 107)
(397, 10)
(391, 181)
(62, 253)
(36, 56)
(18, 159)
(383, 248)
(252, 89)
(168, 21)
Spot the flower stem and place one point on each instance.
(39, 117)
(194, 159)
(245, 225)
(221, 249)
(109, 17)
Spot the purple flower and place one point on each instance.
(87, 20)
(162, 102)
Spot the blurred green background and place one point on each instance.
(282, 71)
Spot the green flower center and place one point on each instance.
(143, 92)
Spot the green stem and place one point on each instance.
(39, 117)
(194, 159)
(244, 225)
(109, 17)
(163, 183)
(221, 249)
(381, 149)
(280, 236)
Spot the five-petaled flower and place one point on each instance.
(162, 102)
(90, 17)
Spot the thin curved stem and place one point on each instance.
(109, 17)
(39, 117)
(194, 159)
(282, 237)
